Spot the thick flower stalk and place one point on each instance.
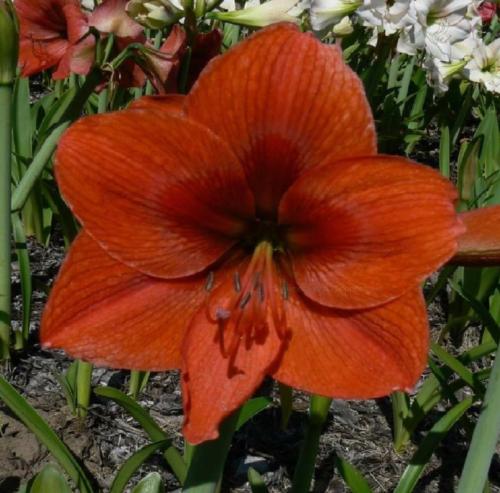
(251, 229)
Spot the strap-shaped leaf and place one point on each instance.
(32, 420)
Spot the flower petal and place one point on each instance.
(35, 56)
(289, 101)
(111, 17)
(355, 354)
(480, 244)
(364, 231)
(105, 312)
(161, 193)
(215, 379)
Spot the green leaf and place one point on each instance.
(23, 260)
(257, 484)
(485, 436)
(133, 463)
(50, 479)
(68, 384)
(208, 459)
(152, 483)
(33, 421)
(424, 452)
(353, 478)
(172, 455)
(461, 370)
(251, 408)
(286, 401)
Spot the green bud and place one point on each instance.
(9, 42)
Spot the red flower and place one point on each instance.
(487, 11)
(162, 66)
(51, 33)
(250, 229)
(110, 17)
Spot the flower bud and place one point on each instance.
(9, 42)
(155, 14)
(344, 27)
(260, 15)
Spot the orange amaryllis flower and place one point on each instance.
(250, 229)
(51, 36)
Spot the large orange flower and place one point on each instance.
(250, 229)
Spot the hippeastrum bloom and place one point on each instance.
(251, 229)
(52, 34)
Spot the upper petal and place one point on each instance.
(284, 102)
(102, 311)
(157, 191)
(355, 354)
(366, 230)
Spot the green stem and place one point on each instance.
(5, 228)
(83, 388)
(138, 380)
(102, 102)
(485, 436)
(304, 470)
(400, 411)
(208, 459)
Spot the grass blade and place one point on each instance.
(353, 478)
(251, 409)
(34, 422)
(172, 455)
(257, 484)
(133, 463)
(485, 436)
(424, 452)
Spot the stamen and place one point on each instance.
(237, 282)
(260, 290)
(247, 309)
(244, 301)
(284, 290)
(210, 281)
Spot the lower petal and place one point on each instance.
(355, 354)
(221, 368)
(103, 311)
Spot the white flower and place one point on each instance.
(259, 15)
(440, 73)
(484, 66)
(325, 13)
(436, 25)
(386, 18)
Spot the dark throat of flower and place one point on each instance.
(249, 305)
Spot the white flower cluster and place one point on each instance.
(445, 31)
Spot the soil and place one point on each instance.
(358, 431)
